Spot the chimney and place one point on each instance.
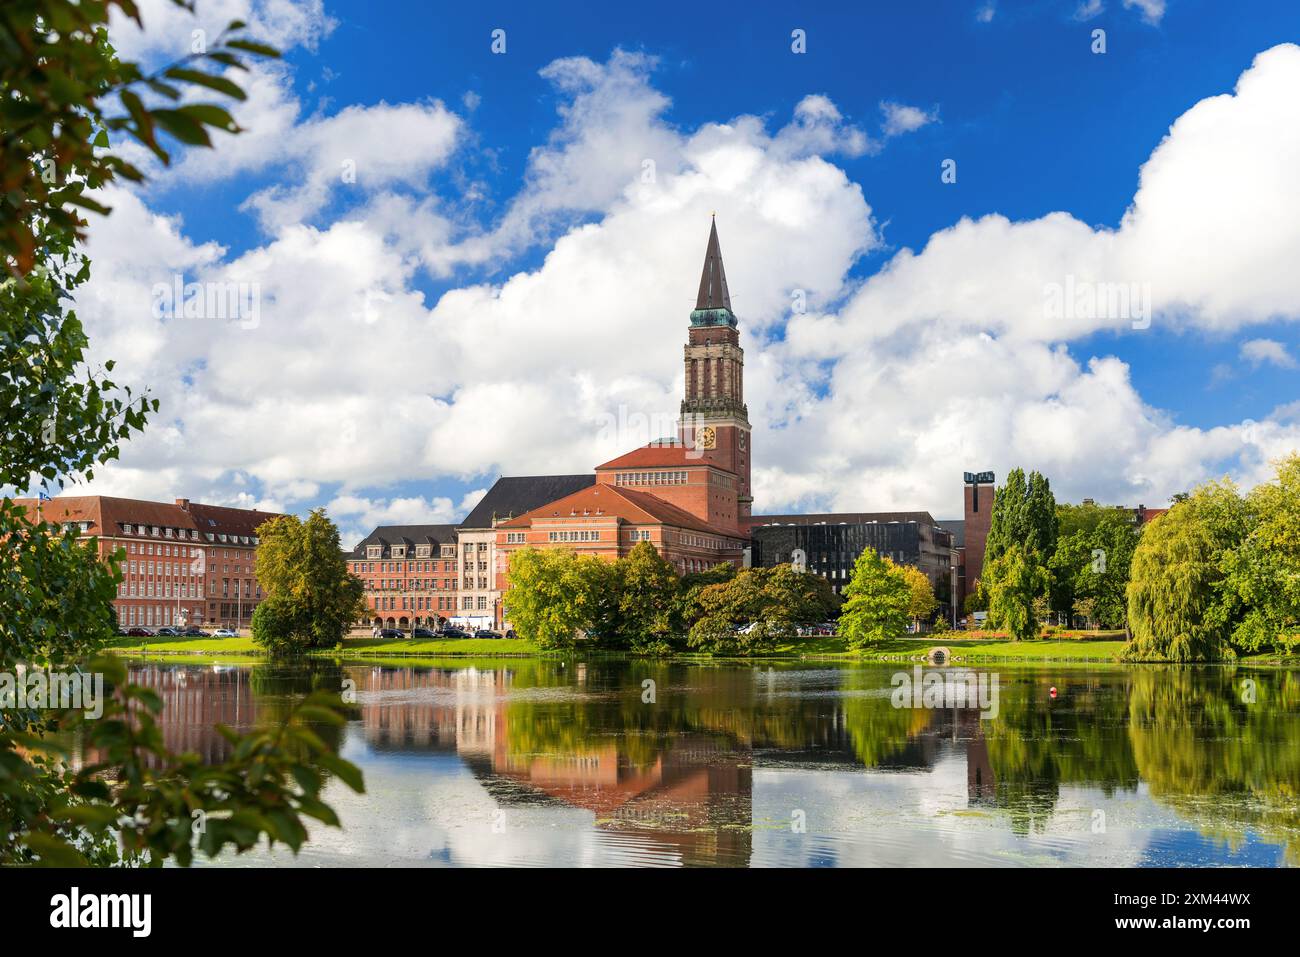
(183, 503)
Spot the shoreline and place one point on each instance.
(970, 651)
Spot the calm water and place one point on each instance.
(527, 762)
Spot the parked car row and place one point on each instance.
(446, 631)
(139, 631)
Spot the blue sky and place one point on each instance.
(493, 186)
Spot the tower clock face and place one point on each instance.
(706, 438)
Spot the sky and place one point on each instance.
(471, 237)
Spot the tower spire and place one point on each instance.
(713, 281)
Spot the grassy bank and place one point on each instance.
(962, 647)
(968, 649)
(213, 647)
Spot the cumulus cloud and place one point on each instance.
(864, 394)
(170, 30)
(901, 118)
(1267, 351)
(1087, 9)
(1152, 11)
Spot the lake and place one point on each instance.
(630, 763)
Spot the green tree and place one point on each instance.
(311, 599)
(134, 801)
(1024, 513)
(689, 609)
(755, 608)
(877, 602)
(1180, 605)
(1014, 582)
(555, 595)
(647, 599)
(1093, 561)
(1263, 572)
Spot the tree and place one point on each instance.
(67, 93)
(755, 608)
(555, 595)
(1014, 582)
(311, 597)
(1263, 572)
(877, 603)
(1086, 608)
(647, 595)
(1093, 561)
(922, 603)
(135, 802)
(1180, 605)
(1024, 513)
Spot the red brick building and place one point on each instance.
(411, 574)
(689, 497)
(185, 563)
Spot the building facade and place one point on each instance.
(184, 564)
(690, 496)
(411, 574)
(480, 596)
(828, 545)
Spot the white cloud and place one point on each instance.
(1088, 9)
(986, 12)
(169, 30)
(901, 118)
(1261, 351)
(1152, 10)
(877, 397)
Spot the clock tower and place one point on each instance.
(714, 420)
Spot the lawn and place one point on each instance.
(965, 648)
(195, 646)
(351, 646)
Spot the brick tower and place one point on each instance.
(714, 420)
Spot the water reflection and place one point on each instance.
(548, 762)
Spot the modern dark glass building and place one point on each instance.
(829, 544)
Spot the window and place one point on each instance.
(514, 538)
(374, 551)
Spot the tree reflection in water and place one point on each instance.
(677, 771)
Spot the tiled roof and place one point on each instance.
(515, 494)
(613, 501)
(662, 456)
(107, 515)
(409, 535)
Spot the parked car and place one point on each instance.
(139, 632)
(391, 633)
(510, 633)
(225, 633)
(166, 632)
(423, 633)
(195, 633)
(487, 633)
(451, 631)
